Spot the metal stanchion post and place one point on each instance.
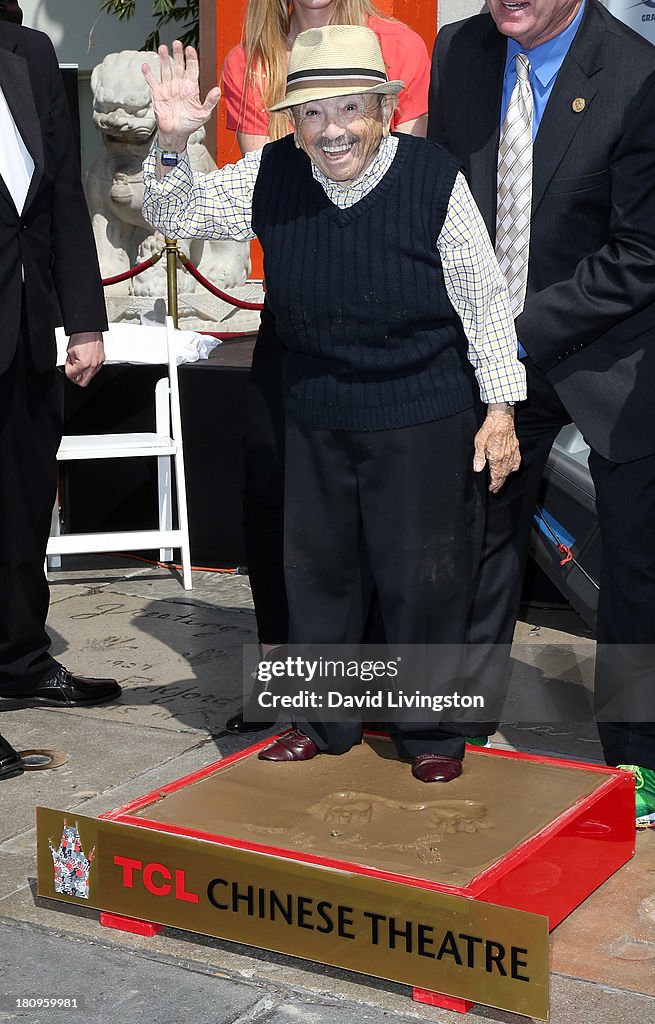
(171, 278)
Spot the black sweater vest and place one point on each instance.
(358, 294)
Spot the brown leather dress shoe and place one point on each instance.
(294, 746)
(436, 767)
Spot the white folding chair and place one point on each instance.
(128, 343)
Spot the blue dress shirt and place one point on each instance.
(545, 62)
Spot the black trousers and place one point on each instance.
(263, 497)
(402, 509)
(263, 494)
(625, 495)
(30, 432)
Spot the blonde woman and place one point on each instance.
(254, 79)
(254, 73)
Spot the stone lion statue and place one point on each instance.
(122, 113)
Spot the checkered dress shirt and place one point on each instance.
(219, 205)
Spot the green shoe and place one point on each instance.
(478, 741)
(645, 794)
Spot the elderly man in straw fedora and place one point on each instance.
(396, 317)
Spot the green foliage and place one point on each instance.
(185, 12)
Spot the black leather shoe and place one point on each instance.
(294, 746)
(436, 767)
(239, 725)
(63, 690)
(10, 763)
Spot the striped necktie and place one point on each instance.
(515, 186)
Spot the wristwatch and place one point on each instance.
(167, 157)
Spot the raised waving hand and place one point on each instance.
(176, 99)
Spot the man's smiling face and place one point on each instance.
(342, 134)
(534, 21)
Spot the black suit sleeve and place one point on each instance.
(74, 258)
(616, 281)
(436, 123)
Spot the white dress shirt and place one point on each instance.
(16, 164)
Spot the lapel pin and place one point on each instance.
(578, 105)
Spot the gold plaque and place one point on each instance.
(417, 935)
(579, 103)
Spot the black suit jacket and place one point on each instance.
(589, 316)
(52, 238)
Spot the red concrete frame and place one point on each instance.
(559, 851)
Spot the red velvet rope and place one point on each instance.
(240, 303)
(127, 274)
(188, 265)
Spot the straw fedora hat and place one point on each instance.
(336, 60)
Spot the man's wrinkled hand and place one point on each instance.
(176, 98)
(496, 444)
(85, 356)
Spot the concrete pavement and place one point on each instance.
(178, 657)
